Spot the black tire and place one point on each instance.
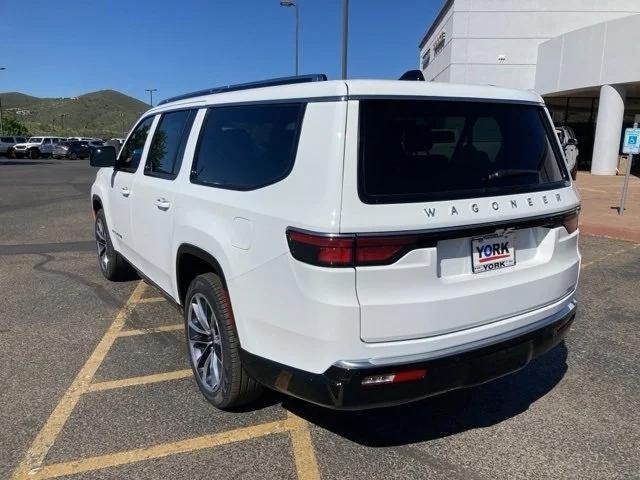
(34, 154)
(10, 153)
(112, 265)
(235, 387)
(73, 156)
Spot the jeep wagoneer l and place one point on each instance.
(353, 243)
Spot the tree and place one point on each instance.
(11, 126)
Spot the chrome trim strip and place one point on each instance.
(515, 222)
(445, 352)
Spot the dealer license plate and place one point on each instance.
(493, 252)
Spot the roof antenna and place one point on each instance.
(412, 75)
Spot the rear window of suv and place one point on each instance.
(426, 150)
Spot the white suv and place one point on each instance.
(353, 243)
(35, 147)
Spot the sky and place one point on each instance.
(63, 48)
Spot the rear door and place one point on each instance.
(152, 213)
(475, 193)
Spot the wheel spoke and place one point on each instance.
(100, 231)
(205, 354)
(200, 313)
(216, 368)
(195, 326)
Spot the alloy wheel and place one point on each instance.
(205, 343)
(101, 244)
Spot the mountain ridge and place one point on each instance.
(103, 113)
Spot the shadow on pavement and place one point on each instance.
(443, 415)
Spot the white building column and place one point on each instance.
(606, 146)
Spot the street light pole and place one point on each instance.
(290, 3)
(1, 127)
(345, 35)
(151, 90)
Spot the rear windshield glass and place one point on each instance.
(422, 150)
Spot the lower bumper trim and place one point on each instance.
(340, 387)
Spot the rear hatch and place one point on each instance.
(472, 205)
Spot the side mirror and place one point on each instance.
(103, 157)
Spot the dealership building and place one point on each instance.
(582, 56)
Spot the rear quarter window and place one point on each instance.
(426, 150)
(246, 147)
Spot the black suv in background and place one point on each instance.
(72, 149)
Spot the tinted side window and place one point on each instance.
(132, 150)
(167, 147)
(6, 139)
(246, 147)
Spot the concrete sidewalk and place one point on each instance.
(600, 202)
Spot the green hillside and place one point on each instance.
(104, 114)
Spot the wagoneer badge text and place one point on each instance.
(430, 212)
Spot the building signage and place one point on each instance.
(631, 142)
(439, 43)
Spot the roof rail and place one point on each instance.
(272, 82)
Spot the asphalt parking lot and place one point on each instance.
(95, 381)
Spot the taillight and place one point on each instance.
(570, 222)
(348, 250)
(322, 250)
(382, 250)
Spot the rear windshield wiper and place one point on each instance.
(505, 173)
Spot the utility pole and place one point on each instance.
(122, 123)
(1, 127)
(151, 90)
(62, 115)
(345, 35)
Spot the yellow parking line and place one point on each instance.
(152, 300)
(159, 451)
(142, 380)
(52, 428)
(144, 331)
(303, 451)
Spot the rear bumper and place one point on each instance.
(340, 387)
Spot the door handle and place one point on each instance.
(162, 203)
(125, 191)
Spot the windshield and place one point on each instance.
(422, 150)
(35, 140)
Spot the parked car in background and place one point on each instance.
(7, 143)
(569, 143)
(115, 143)
(35, 147)
(72, 150)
